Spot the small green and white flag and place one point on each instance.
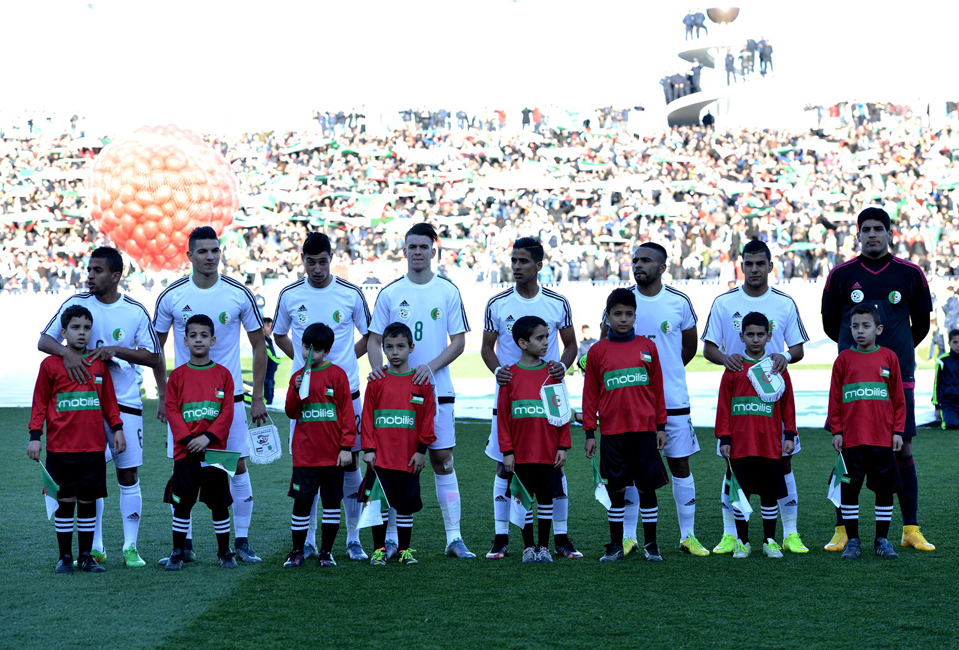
(307, 375)
(599, 485)
(555, 401)
(769, 385)
(222, 459)
(50, 490)
(736, 497)
(374, 502)
(520, 502)
(836, 478)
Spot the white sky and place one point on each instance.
(209, 64)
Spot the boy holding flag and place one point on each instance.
(319, 401)
(533, 446)
(755, 407)
(74, 414)
(624, 386)
(199, 410)
(867, 415)
(397, 430)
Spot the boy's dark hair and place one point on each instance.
(424, 229)
(268, 321)
(754, 246)
(620, 296)
(524, 326)
(317, 243)
(319, 335)
(200, 319)
(396, 330)
(755, 318)
(74, 311)
(874, 214)
(867, 308)
(952, 334)
(109, 255)
(533, 246)
(202, 232)
(655, 247)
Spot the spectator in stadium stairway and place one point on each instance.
(753, 49)
(695, 72)
(432, 304)
(272, 361)
(667, 84)
(708, 120)
(900, 292)
(723, 346)
(666, 317)
(585, 343)
(699, 20)
(951, 311)
(730, 67)
(937, 343)
(945, 391)
(124, 339)
(765, 57)
(745, 62)
(500, 352)
(688, 22)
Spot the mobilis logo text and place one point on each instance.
(200, 411)
(81, 401)
(625, 377)
(865, 390)
(394, 419)
(751, 406)
(528, 408)
(318, 412)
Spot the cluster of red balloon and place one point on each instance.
(149, 190)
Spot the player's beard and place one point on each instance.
(645, 280)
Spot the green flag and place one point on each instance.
(374, 502)
(307, 375)
(736, 497)
(599, 485)
(222, 459)
(520, 502)
(50, 490)
(836, 478)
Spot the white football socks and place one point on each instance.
(131, 503)
(351, 507)
(789, 507)
(561, 511)
(448, 494)
(684, 492)
(242, 493)
(631, 517)
(729, 518)
(98, 528)
(311, 531)
(500, 506)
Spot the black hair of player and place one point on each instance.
(424, 230)
(620, 296)
(754, 246)
(396, 330)
(74, 311)
(202, 232)
(656, 247)
(268, 320)
(109, 255)
(317, 243)
(201, 320)
(867, 308)
(755, 318)
(953, 334)
(533, 246)
(524, 326)
(320, 336)
(874, 214)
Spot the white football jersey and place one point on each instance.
(340, 305)
(125, 323)
(433, 312)
(726, 320)
(228, 304)
(507, 307)
(663, 319)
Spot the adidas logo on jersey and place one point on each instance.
(404, 304)
(857, 286)
(510, 321)
(405, 311)
(737, 321)
(188, 308)
(301, 308)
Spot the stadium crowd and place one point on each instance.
(589, 193)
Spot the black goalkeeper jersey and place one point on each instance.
(898, 289)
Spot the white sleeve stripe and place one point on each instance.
(802, 328)
(466, 322)
(489, 325)
(150, 328)
(54, 319)
(711, 308)
(686, 298)
(163, 293)
(567, 310)
(249, 296)
(279, 298)
(366, 309)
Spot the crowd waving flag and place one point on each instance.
(521, 503)
(736, 497)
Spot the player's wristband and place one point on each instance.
(590, 435)
(345, 448)
(725, 440)
(507, 453)
(836, 433)
(496, 372)
(35, 435)
(117, 427)
(790, 435)
(421, 448)
(788, 357)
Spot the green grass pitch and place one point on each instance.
(811, 601)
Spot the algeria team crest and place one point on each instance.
(338, 316)
(302, 317)
(737, 324)
(224, 318)
(436, 313)
(773, 326)
(118, 335)
(665, 327)
(895, 297)
(858, 295)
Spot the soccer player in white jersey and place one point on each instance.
(124, 339)
(229, 304)
(321, 297)
(432, 308)
(499, 352)
(724, 347)
(666, 317)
